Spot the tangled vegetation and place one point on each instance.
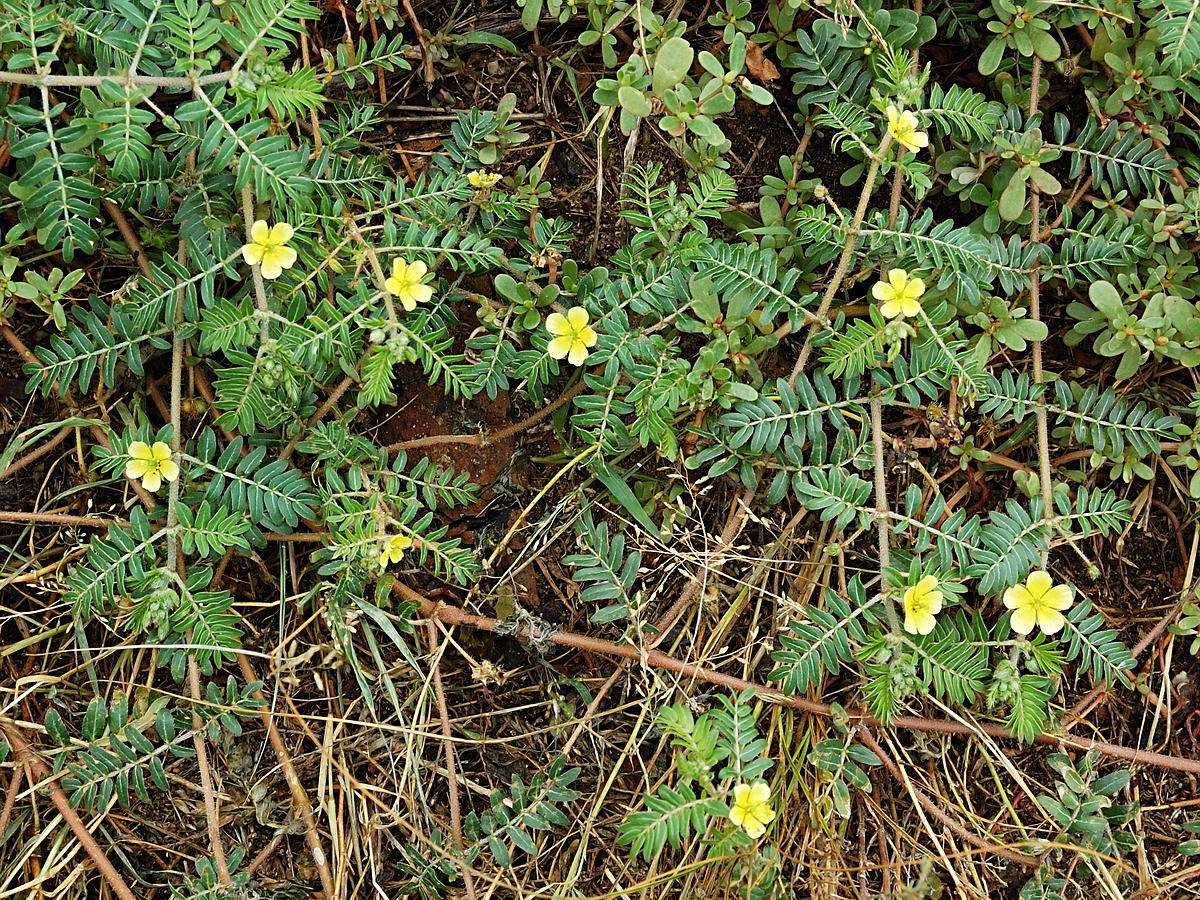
(599, 448)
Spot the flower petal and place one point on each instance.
(1023, 619)
(169, 469)
(915, 288)
(421, 293)
(764, 814)
(276, 259)
(252, 253)
(1051, 621)
(919, 623)
(760, 792)
(136, 468)
(417, 270)
(898, 278)
(139, 450)
(260, 232)
(883, 291)
(909, 307)
(556, 323)
(1059, 597)
(933, 602)
(286, 256)
(560, 347)
(579, 353)
(281, 233)
(577, 316)
(1038, 583)
(586, 336)
(160, 451)
(393, 284)
(406, 300)
(1017, 596)
(891, 309)
(152, 480)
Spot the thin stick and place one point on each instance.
(211, 813)
(439, 693)
(260, 289)
(10, 797)
(927, 804)
(486, 438)
(301, 805)
(37, 771)
(881, 513)
(34, 455)
(453, 615)
(843, 263)
(376, 269)
(1035, 315)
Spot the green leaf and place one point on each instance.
(1012, 198)
(1107, 299)
(671, 64)
(989, 60)
(633, 100)
(622, 493)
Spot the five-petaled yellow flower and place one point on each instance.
(483, 179)
(393, 548)
(899, 295)
(268, 248)
(1038, 602)
(752, 807)
(922, 603)
(572, 335)
(902, 125)
(151, 464)
(406, 283)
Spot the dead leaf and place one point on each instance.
(757, 63)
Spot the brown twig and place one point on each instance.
(927, 804)
(10, 797)
(487, 438)
(130, 236)
(453, 615)
(211, 812)
(439, 693)
(37, 771)
(32, 456)
(426, 56)
(302, 806)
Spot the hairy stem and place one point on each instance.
(1035, 314)
(843, 263)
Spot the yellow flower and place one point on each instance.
(1038, 602)
(903, 127)
(151, 464)
(922, 603)
(752, 807)
(405, 283)
(393, 548)
(483, 179)
(572, 335)
(899, 295)
(268, 248)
